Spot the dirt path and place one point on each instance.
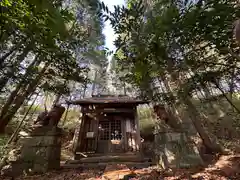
(224, 168)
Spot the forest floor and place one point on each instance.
(225, 167)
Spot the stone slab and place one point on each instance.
(40, 141)
(45, 131)
(39, 152)
(173, 150)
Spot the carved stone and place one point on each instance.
(41, 119)
(50, 118)
(39, 152)
(174, 150)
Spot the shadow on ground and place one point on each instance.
(222, 168)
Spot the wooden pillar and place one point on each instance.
(79, 135)
(76, 138)
(137, 128)
(124, 135)
(82, 135)
(96, 130)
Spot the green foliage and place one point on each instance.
(35, 109)
(44, 47)
(73, 119)
(176, 51)
(176, 38)
(146, 121)
(3, 141)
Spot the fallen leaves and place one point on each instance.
(225, 168)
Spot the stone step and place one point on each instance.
(109, 158)
(109, 154)
(103, 165)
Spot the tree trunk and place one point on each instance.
(196, 120)
(174, 120)
(124, 88)
(194, 115)
(10, 73)
(17, 89)
(57, 99)
(94, 83)
(228, 100)
(59, 95)
(14, 135)
(231, 84)
(65, 117)
(14, 48)
(20, 99)
(84, 90)
(10, 100)
(207, 94)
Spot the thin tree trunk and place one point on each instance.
(66, 114)
(14, 48)
(57, 99)
(14, 135)
(10, 100)
(20, 99)
(174, 120)
(94, 83)
(213, 105)
(231, 84)
(59, 95)
(35, 109)
(10, 73)
(196, 120)
(124, 88)
(194, 115)
(65, 117)
(228, 100)
(5, 56)
(84, 90)
(11, 32)
(17, 89)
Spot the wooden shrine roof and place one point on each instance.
(108, 100)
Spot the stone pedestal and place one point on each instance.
(39, 152)
(174, 150)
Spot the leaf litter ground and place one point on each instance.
(225, 167)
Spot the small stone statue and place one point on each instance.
(166, 117)
(55, 115)
(52, 117)
(41, 119)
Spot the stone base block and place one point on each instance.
(174, 151)
(39, 153)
